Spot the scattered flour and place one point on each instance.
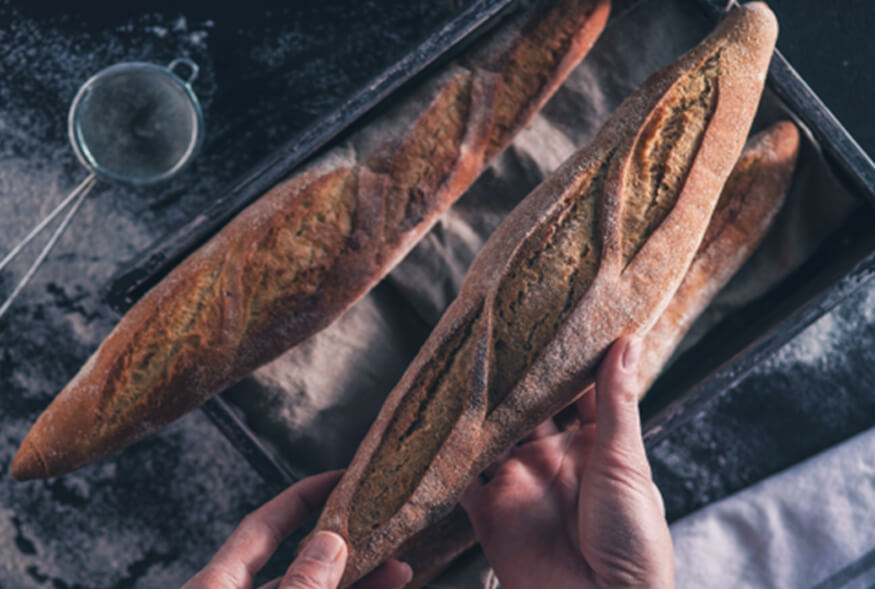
(159, 31)
(824, 343)
(37, 164)
(815, 346)
(47, 528)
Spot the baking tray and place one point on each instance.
(840, 266)
(136, 278)
(148, 268)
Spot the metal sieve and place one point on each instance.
(134, 123)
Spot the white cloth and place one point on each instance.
(812, 525)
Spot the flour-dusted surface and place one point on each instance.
(811, 525)
(811, 394)
(151, 516)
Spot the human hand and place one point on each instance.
(578, 508)
(318, 566)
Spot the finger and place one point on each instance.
(489, 472)
(659, 499)
(567, 420)
(319, 565)
(544, 429)
(586, 406)
(256, 538)
(392, 574)
(272, 584)
(474, 499)
(481, 502)
(618, 429)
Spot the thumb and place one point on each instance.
(624, 535)
(319, 565)
(618, 429)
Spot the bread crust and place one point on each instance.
(433, 549)
(292, 262)
(751, 198)
(395, 487)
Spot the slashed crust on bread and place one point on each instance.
(596, 251)
(293, 261)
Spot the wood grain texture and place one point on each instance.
(686, 125)
(292, 262)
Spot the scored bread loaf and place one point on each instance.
(594, 252)
(751, 198)
(293, 261)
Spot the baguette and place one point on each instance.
(292, 262)
(596, 251)
(752, 196)
(433, 549)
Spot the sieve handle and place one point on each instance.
(192, 66)
(76, 197)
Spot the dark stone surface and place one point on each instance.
(830, 44)
(152, 515)
(813, 393)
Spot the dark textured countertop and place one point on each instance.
(154, 514)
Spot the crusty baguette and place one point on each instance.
(293, 261)
(433, 549)
(596, 251)
(752, 196)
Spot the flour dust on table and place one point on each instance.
(118, 524)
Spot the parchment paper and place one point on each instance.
(313, 405)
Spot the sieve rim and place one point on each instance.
(80, 147)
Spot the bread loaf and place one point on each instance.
(594, 252)
(293, 261)
(752, 196)
(433, 549)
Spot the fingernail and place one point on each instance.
(324, 547)
(408, 574)
(631, 353)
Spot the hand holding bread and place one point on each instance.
(595, 252)
(611, 244)
(751, 198)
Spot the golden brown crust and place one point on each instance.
(752, 196)
(429, 552)
(548, 274)
(432, 400)
(303, 253)
(750, 200)
(551, 36)
(628, 288)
